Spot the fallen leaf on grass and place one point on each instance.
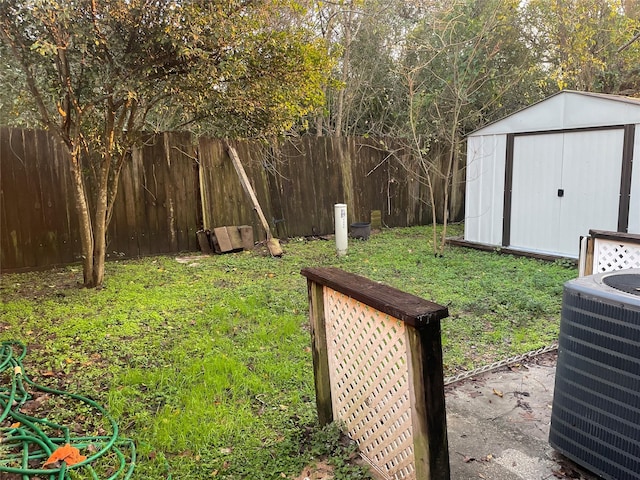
(67, 454)
(34, 405)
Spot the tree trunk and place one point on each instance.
(84, 219)
(434, 214)
(448, 184)
(100, 236)
(346, 60)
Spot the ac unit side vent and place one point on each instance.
(595, 418)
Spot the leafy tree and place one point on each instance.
(584, 44)
(463, 64)
(372, 101)
(97, 73)
(365, 37)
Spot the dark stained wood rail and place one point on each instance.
(413, 310)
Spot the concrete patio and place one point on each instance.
(498, 425)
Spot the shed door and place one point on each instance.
(563, 185)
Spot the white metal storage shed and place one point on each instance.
(539, 179)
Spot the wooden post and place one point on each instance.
(203, 241)
(320, 354)
(588, 265)
(429, 414)
(272, 243)
(376, 219)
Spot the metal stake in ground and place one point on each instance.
(272, 243)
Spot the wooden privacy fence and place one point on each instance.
(604, 251)
(175, 184)
(298, 181)
(156, 210)
(377, 358)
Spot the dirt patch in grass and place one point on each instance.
(318, 471)
(40, 285)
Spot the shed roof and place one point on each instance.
(568, 109)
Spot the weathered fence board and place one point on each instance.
(173, 185)
(156, 210)
(307, 206)
(39, 226)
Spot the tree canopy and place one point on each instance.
(226, 66)
(528, 50)
(98, 73)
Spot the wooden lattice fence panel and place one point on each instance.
(604, 251)
(370, 382)
(613, 255)
(377, 358)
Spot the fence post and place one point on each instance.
(377, 357)
(427, 385)
(319, 352)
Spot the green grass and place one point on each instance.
(207, 365)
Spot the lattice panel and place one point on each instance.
(611, 255)
(370, 383)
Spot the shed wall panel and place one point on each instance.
(535, 205)
(566, 110)
(582, 111)
(485, 189)
(591, 172)
(547, 115)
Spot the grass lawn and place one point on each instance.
(206, 364)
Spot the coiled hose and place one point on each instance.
(25, 444)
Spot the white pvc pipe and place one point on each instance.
(342, 230)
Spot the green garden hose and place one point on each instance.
(27, 442)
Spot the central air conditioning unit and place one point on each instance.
(595, 418)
